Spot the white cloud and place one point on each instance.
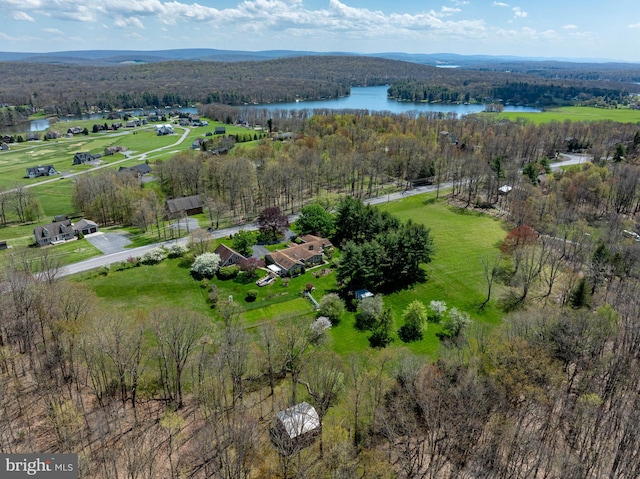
(519, 12)
(449, 10)
(128, 22)
(570, 27)
(499, 4)
(53, 31)
(22, 16)
(634, 25)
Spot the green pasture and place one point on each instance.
(575, 113)
(455, 275)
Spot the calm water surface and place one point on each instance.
(374, 98)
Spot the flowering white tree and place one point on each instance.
(176, 250)
(205, 265)
(438, 308)
(455, 322)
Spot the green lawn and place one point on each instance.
(576, 113)
(65, 253)
(455, 276)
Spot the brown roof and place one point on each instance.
(225, 253)
(299, 253)
(185, 203)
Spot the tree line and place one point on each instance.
(81, 89)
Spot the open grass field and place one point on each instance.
(455, 276)
(66, 253)
(576, 113)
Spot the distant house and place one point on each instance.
(4, 147)
(131, 124)
(197, 143)
(138, 170)
(52, 135)
(86, 227)
(83, 157)
(74, 130)
(37, 171)
(186, 205)
(228, 256)
(112, 150)
(296, 428)
(220, 130)
(53, 233)
(292, 260)
(166, 129)
(219, 151)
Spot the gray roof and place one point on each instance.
(299, 419)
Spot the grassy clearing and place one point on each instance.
(455, 276)
(65, 253)
(576, 113)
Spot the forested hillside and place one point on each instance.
(77, 89)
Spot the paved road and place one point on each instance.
(222, 233)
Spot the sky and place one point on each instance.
(572, 29)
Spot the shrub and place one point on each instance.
(154, 256)
(214, 294)
(455, 322)
(176, 250)
(205, 265)
(252, 294)
(228, 272)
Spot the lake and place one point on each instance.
(374, 98)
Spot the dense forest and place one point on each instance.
(551, 392)
(79, 89)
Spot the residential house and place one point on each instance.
(74, 130)
(139, 170)
(197, 143)
(220, 130)
(112, 150)
(52, 135)
(228, 256)
(166, 129)
(186, 205)
(37, 171)
(53, 233)
(83, 157)
(296, 428)
(293, 260)
(4, 147)
(85, 227)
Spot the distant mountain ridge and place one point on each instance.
(115, 57)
